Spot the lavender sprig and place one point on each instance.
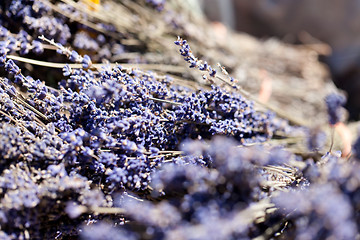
(186, 52)
(334, 102)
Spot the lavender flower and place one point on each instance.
(186, 52)
(86, 62)
(74, 56)
(67, 70)
(334, 103)
(11, 67)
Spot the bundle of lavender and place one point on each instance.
(95, 149)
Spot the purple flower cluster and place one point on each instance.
(130, 113)
(197, 197)
(326, 209)
(334, 102)
(114, 126)
(186, 52)
(36, 16)
(20, 42)
(34, 198)
(113, 152)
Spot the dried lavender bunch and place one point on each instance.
(304, 209)
(199, 197)
(34, 201)
(112, 126)
(131, 112)
(36, 17)
(116, 152)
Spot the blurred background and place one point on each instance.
(330, 27)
